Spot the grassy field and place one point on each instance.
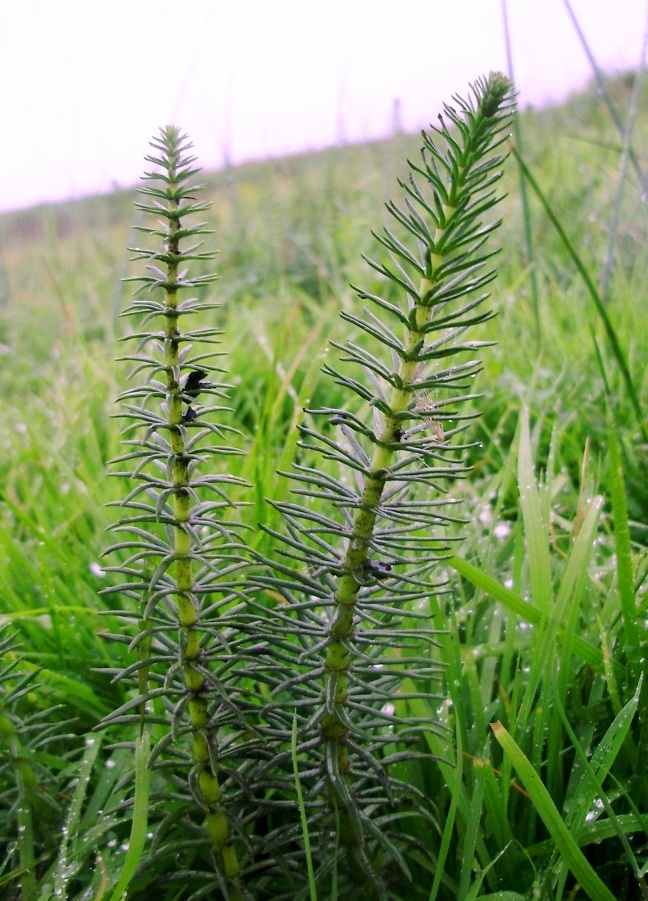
(543, 626)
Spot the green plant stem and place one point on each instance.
(218, 825)
(338, 654)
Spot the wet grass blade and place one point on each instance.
(513, 602)
(591, 884)
(594, 294)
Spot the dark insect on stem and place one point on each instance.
(377, 569)
(194, 384)
(189, 415)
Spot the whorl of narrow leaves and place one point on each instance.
(180, 553)
(34, 775)
(355, 567)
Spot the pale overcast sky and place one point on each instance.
(87, 83)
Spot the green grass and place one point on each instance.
(540, 786)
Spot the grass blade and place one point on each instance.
(604, 93)
(450, 819)
(536, 526)
(591, 884)
(513, 602)
(302, 814)
(622, 542)
(594, 294)
(140, 816)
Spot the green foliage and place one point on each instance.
(353, 581)
(541, 622)
(55, 803)
(355, 564)
(182, 552)
(563, 697)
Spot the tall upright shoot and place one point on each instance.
(182, 553)
(357, 577)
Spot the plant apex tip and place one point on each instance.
(497, 88)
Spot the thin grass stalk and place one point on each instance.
(187, 607)
(303, 816)
(526, 209)
(139, 825)
(633, 110)
(605, 94)
(594, 295)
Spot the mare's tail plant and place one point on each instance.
(336, 638)
(178, 544)
(350, 640)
